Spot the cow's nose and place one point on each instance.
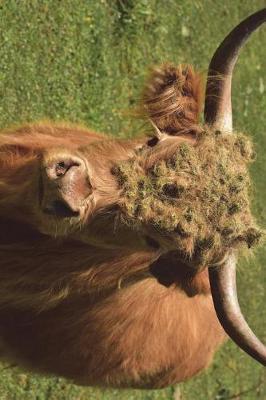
(64, 186)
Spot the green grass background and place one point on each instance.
(85, 61)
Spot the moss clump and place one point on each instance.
(197, 199)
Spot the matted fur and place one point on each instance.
(197, 198)
(93, 300)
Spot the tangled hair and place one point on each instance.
(172, 98)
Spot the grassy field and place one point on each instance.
(85, 61)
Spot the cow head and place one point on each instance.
(76, 190)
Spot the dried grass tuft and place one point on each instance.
(198, 198)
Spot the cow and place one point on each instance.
(88, 297)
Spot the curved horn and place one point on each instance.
(218, 114)
(224, 294)
(218, 108)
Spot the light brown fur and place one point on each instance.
(172, 98)
(92, 301)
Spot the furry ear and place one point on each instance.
(172, 99)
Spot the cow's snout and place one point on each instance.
(64, 185)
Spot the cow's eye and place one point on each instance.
(152, 141)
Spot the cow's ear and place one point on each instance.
(172, 100)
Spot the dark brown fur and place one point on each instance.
(95, 302)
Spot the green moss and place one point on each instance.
(198, 198)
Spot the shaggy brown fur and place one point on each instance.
(172, 98)
(90, 298)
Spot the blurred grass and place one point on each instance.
(85, 61)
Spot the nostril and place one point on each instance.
(59, 208)
(62, 167)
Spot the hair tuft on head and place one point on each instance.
(172, 99)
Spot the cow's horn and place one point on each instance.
(218, 115)
(224, 294)
(218, 108)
